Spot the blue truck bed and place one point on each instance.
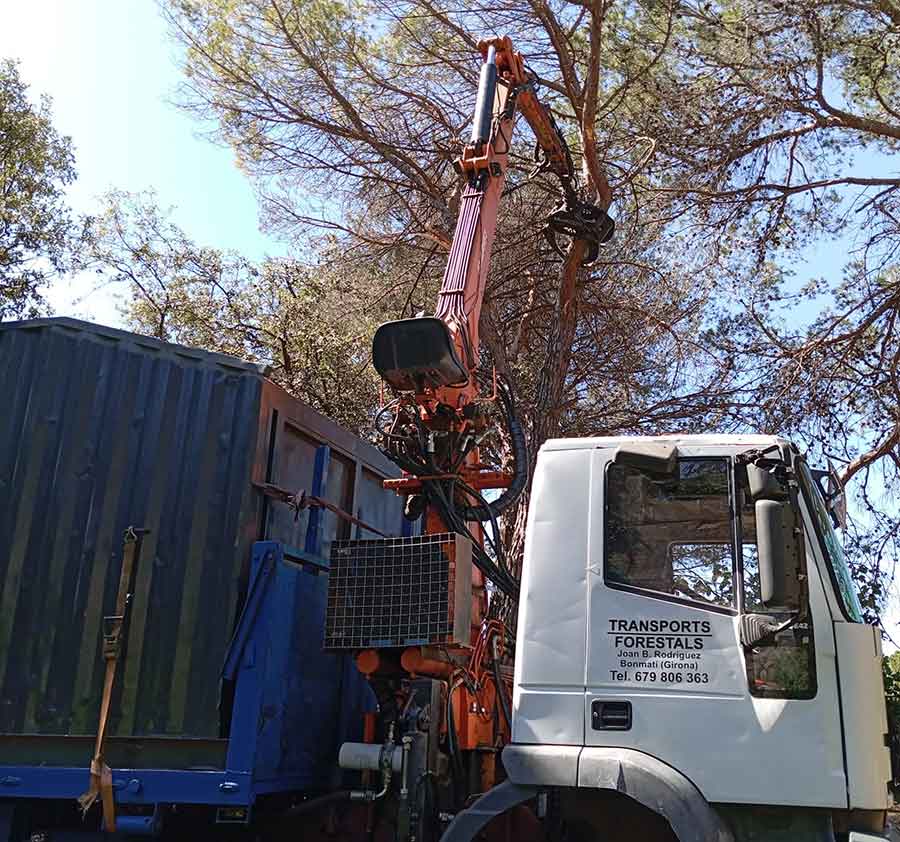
(293, 706)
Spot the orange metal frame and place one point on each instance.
(473, 691)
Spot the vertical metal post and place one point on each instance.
(406, 527)
(316, 524)
(357, 497)
(245, 658)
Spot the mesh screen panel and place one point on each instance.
(399, 592)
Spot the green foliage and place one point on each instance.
(789, 670)
(309, 323)
(36, 163)
(890, 667)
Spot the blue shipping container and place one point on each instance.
(223, 677)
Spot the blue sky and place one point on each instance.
(112, 72)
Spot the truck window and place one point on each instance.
(831, 545)
(671, 535)
(782, 666)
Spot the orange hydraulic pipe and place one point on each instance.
(413, 661)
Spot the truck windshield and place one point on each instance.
(834, 553)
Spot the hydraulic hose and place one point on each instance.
(316, 803)
(490, 511)
(456, 768)
(498, 681)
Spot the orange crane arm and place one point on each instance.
(505, 87)
(435, 423)
(432, 363)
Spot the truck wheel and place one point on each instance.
(594, 815)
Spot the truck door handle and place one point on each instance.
(610, 716)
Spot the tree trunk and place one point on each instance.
(544, 420)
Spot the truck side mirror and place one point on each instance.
(764, 484)
(779, 559)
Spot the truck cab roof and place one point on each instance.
(684, 439)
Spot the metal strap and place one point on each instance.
(113, 625)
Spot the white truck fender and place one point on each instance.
(635, 774)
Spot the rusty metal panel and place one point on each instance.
(293, 463)
(286, 458)
(374, 506)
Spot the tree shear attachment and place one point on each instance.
(580, 221)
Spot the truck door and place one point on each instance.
(672, 569)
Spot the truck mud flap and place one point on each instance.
(467, 823)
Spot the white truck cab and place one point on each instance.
(691, 661)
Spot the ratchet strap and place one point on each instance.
(101, 784)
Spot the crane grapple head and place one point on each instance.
(580, 221)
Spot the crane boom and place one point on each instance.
(432, 363)
(505, 89)
(445, 371)
(445, 407)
